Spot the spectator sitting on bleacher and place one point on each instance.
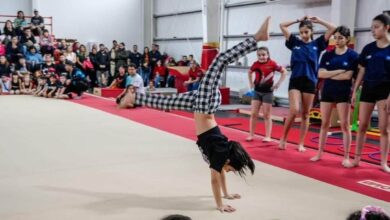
(102, 62)
(14, 50)
(70, 55)
(37, 23)
(22, 67)
(9, 31)
(77, 79)
(135, 57)
(119, 81)
(20, 23)
(160, 75)
(60, 65)
(61, 46)
(46, 42)
(34, 59)
(48, 64)
(76, 47)
(122, 55)
(27, 40)
(195, 74)
(183, 61)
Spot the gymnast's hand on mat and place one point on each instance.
(226, 208)
(232, 196)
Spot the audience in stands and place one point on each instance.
(135, 57)
(70, 55)
(103, 62)
(183, 62)
(37, 24)
(121, 55)
(120, 79)
(9, 31)
(78, 82)
(46, 43)
(195, 75)
(14, 50)
(146, 66)
(160, 75)
(20, 23)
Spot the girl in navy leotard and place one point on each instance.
(337, 68)
(304, 67)
(374, 72)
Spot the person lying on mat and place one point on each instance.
(221, 154)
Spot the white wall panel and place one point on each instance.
(368, 9)
(10, 7)
(177, 49)
(174, 6)
(189, 25)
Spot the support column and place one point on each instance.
(344, 13)
(149, 26)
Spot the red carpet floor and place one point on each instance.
(366, 179)
(334, 146)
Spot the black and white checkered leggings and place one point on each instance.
(207, 98)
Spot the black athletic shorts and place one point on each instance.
(302, 84)
(333, 97)
(372, 94)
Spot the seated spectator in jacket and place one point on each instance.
(122, 55)
(78, 83)
(183, 61)
(37, 24)
(14, 50)
(135, 57)
(34, 59)
(160, 75)
(22, 67)
(102, 66)
(70, 55)
(120, 79)
(20, 23)
(27, 40)
(46, 43)
(62, 45)
(195, 74)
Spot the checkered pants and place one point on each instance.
(207, 98)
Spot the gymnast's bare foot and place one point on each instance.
(316, 158)
(232, 196)
(262, 34)
(301, 148)
(347, 164)
(386, 168)
(282, 145)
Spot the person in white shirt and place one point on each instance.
(136, 79)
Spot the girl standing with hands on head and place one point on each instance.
(374, 72)
(337, 68)
(261, 80)
(304, 66)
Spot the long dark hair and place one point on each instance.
(240, 159)
(369, 216)
(308, 24)
(384, 19)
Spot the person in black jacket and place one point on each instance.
(102, 62)
(155, 56)
(135, 57)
